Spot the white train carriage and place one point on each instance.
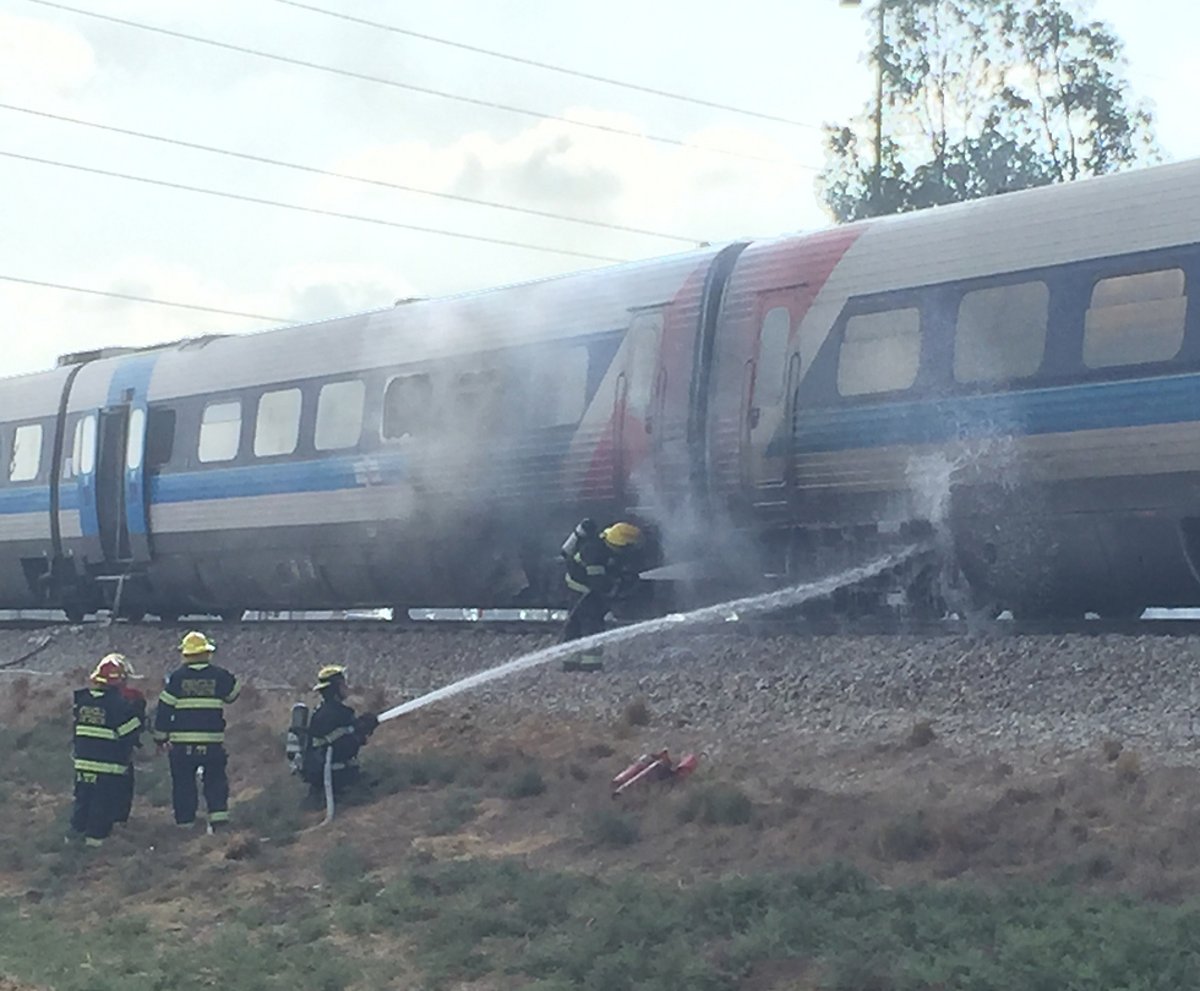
(1022, 373)
(429, 454)
(1019, 376)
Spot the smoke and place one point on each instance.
(734, 609)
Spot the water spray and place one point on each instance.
(765, 602)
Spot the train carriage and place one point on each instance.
(420, 455)
(1015, 379)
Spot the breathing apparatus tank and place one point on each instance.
(297, 737)
(584, 530)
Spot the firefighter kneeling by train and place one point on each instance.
(603, 566)
(334, 733)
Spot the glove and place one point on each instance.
(365, 724)
(626, 586)
(161, 747)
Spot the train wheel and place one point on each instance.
(231, 615)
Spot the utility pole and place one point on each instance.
(881, 41)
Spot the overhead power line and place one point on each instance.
(310, 209)
(442, 94)
(141, 299)
(351, 178)
(608, 80)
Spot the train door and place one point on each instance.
(111, 522)
(634, 403)
(111, 448)
(770, 380)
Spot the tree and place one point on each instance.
(983, 97)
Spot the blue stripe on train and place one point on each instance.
(34, 499)
(323, 475)
(1062, 409)
(1042, 411)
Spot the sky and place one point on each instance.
(687, 173)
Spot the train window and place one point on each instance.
(26, 457)
(880, 352)
(407, 406)
(1134, 319)
(558, 393)
(772, 353)
(135, 442)
(339, 415)
(83, 448)
(220, 431)
(477, 395)
(160, 437)
(644, 334)
(1001, 332)
(277, 428)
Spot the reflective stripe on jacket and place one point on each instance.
(106, 727)
(191, 707)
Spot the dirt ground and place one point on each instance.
(908, 811)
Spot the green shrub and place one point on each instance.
(388, 774)
(907, 838)
(717, 804)
(459, 808)
(344, 864)
(274, 812)
(526, 783)
(610, 828)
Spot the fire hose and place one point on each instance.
(328, 776)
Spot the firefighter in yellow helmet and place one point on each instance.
(106, 726)
(602, 566)
(335, 730)
(190, 720)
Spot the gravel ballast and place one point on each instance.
(1050, 695)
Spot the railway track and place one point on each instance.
(1158, 626)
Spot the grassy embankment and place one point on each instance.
(380, 904)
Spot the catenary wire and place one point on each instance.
(140, 299)
(351, 178)
(312, 209)
(608, 80)
(427, 91)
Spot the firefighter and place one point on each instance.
(137, 699)
(601, 567)
(335, 728)
(106, 725)
(190, 723)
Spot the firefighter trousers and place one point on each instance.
(186, 759)
(98, 799)
(125, 798)
(585, 618)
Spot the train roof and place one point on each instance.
(1093, 217)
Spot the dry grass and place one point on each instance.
(921, 734)
(1128, 767)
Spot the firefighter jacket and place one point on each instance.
(596, 567)
(106, 726)
(191, 708)
(335, 726)
(138, 701)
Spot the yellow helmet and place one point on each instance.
(327, 675)
(196, 643)
(622, 535)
